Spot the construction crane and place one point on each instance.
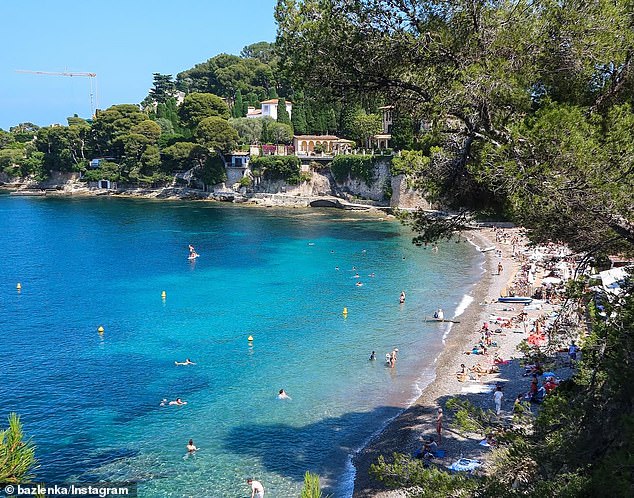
(92, 78)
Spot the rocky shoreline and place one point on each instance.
(287, 200)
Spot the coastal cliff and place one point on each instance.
(383, 189)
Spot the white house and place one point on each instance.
(268, 108)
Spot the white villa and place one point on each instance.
(268, 108)
(305, 144)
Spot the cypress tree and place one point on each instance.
(238, 106)
(282, 113)
(298, 116)
(273, 93)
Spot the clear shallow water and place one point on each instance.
(91, 402)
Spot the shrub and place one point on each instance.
(285, 168)
(354, 166)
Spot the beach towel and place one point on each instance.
(464, 465)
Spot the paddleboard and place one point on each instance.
(443, 320)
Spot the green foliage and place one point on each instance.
(21, 160)
(282, 113)
(198, 106)
(224, 74)
(169, 111)
(17, 457)
(216, 134)
(249, 130)
(403, 132)
(279, 133)
(430, 482)
(409, 163)
(262, 51)
(246, 181)
(149, 129)
(272, 132)
(355, 167)
(64, 148)
(365, 126)
(107, 171)
(237, 111)
(24, 132)
(213, 171)
(110, 125)
(312, 488)
(163, 88)
(285, 168)
(182, 156)
(504, 86)
(298, 116)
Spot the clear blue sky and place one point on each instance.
(123, 41)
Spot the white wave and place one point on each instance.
(463, 305)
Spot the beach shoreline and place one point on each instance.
(403, 433)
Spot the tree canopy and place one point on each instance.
(491, 78)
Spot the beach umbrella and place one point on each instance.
(549, 374)
(551, 280)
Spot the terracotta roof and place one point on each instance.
(316, 137)
(274, 101)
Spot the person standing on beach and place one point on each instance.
(497, 397)
(500, 268)
(439, 424)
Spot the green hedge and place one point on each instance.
(354, 166)
(285, 168)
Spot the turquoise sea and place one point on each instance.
(91, 402)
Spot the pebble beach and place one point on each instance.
(405, 432)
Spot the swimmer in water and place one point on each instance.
(356, 276)
(358, 284)
(282, 395)
(372, 356)
(177, 402)
(337, 268)
(191, 447)
(371, 275)
(401, 299)
(186, 362)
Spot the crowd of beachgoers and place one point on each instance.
(481, 362)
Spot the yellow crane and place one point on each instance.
(92, 78)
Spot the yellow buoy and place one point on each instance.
(100, 329)
(345, 311)
(19, 286)
(163, 294)
(250, 338)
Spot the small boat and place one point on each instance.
(515, 299)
